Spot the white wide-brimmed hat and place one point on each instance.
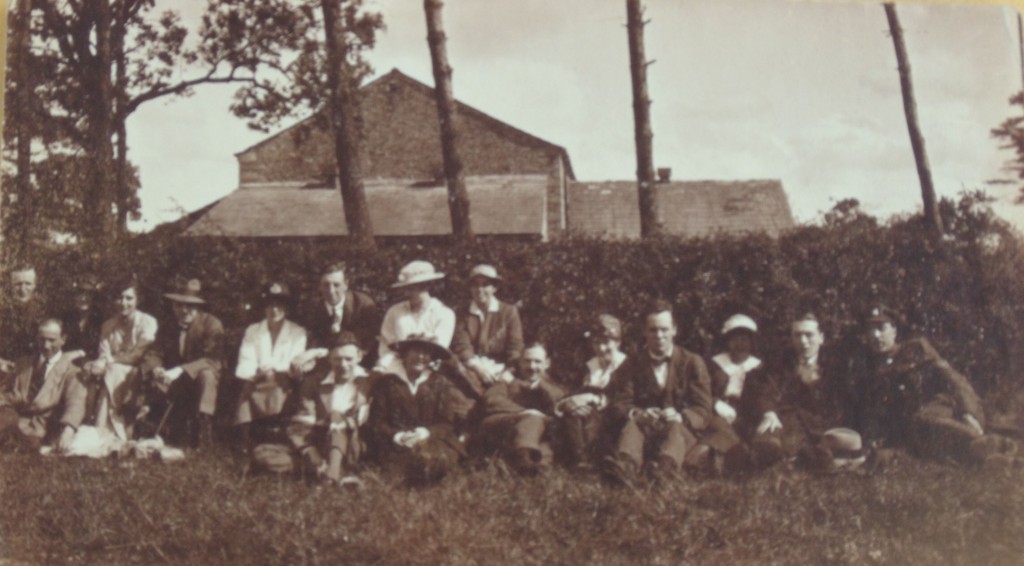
(417, 272)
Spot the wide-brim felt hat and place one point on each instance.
(436, 351)
(415, 273)
(187, 292)
(276, 293)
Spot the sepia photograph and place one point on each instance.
(516, 281)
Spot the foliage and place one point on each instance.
(282, 43)
(1011, 136)
(962, 292)
(202, 512)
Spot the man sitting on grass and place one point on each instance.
(659, 399)
(45, 402)
(518, 409)
(907, 396)
(325, 429)
(410, 429)
(582, 414)
(808, 401)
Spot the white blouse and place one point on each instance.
(258, 351)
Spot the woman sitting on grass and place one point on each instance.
(411, 425)
(264, 360)
(123, 341)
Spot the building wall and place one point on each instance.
(401, 140)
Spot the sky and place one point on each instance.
(804, 92)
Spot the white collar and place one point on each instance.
(594, 364)
(728, 366)
(53, 359)
(412, 385)
(335, 308)
(492, 306)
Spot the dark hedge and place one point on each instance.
(962, 292)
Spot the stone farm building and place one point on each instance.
(519, 185)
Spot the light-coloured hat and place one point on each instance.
(842, 440)
(739, 322)
(187, 292)
(417, 272)
(485, 271)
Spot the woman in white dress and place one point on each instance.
(123, 340)
(265, 357)
(420, 314)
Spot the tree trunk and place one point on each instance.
(99, 217)
(343, 109)
(458, 198)
(121, 117)
(931, 206)
(21, 46)
(650, 225)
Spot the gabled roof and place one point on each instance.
(502, 128)
(687, 208)
(499, 205)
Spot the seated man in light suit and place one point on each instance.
(45, 402)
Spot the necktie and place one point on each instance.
(181, 340)
(336, 319)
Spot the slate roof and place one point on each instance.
(688, 208)
(499, 205)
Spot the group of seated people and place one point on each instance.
(332, 387)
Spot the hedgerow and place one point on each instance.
(963, 292)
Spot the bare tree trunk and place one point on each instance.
(21, 44)
(458, 198)
(649, 223)
(924, 173)
(344, 114)
(99, 217)
(121, 166)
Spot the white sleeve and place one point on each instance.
(445, 329)
(248, 357)
(388, 334)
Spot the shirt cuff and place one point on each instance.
(174, 373)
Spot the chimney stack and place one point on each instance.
(664, 174)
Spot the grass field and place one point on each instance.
(203, 512)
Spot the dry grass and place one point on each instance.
(203, 512)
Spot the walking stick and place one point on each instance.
(163, 419)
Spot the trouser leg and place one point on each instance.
(631, 443)
(675, 443)
(338, 449)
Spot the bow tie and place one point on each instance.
(656, 362)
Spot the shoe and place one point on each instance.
(665, 471)
(698, 458)
(525, 461)
(620, 470)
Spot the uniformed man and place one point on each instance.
(905, 395)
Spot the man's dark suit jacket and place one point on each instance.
(687, 388)
(204, 346)
(360, 316)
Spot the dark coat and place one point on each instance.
(204, 346)
(394, 408)
(83, 332)
(687, 388)
(360, 316)
(813, 407)
(889, 390)
(498, 336)
(18, 328)
(515, 397)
